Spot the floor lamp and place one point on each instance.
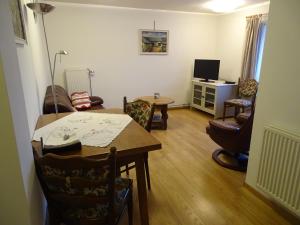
(60, 53)
(44, 8)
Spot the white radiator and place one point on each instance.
(279, 172)
(78, 80)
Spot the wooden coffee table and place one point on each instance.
(161, 104)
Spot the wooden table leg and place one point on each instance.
(142, 191)
(164, 116)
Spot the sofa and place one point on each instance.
(64, 103)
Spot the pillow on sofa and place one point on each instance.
(81, 100)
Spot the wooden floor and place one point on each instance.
(189, 188)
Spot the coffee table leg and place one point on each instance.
(164, 117)
(142, 191)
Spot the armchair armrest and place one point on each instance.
(243, 117)
(226, 127)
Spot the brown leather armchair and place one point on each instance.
(234, 138)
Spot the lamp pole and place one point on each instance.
(44, 8)
(50, 68)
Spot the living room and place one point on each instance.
(105, 38)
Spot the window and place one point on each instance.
(260, 48)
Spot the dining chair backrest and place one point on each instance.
(141, 111)
(248, 88)
(80, 189)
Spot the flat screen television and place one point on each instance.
(207, 69)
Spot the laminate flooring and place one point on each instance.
(189, 188)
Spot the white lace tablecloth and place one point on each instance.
(93, 129)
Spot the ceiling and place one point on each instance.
(176, 5)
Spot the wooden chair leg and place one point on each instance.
(236, 111)
(147, 171)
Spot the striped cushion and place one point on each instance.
(81, 100)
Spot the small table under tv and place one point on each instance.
(210, 96)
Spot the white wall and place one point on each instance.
(278, 94)
(231, 39)
(21, 64)
(106, 39)
(10, 171)
(34, 67)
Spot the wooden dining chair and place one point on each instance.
(142, 112)
(82, 191)
(247, 90)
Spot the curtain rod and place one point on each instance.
(262, 14)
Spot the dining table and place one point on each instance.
(132, 144)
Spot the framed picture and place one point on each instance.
(154, 42)
(16, 8)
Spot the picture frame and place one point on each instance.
(154, 42)
(17, 13)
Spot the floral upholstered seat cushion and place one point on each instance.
(140, 111)
(248, 88)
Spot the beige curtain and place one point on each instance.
(249, 59)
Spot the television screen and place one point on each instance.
(207, 69)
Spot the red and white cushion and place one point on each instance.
(81, 100)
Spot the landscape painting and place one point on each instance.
(154, 42)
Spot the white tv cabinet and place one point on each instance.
(209, 97)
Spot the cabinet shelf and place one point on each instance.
(210, 93)
(210, 97)
(210, 102)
